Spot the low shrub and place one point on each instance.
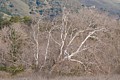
(15, 19)
(12, 69)
(27, 20)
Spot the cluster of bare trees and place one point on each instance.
(66, 35)
(86, 42)
(80, 38)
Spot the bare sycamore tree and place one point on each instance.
(64, 34)
(36, 32)
(73, 37)
(35, 35)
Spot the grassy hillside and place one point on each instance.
(111, 6)
(22, 8)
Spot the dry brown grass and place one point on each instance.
(33, 77)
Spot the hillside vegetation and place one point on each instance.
(28, 7)
(75, 42)
(90, 44)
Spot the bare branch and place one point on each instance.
(74, 60)
(77, 33)
(89, 35)
(35, 38)
(54, 40)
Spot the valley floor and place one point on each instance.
(110, 77)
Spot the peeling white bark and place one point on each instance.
(35, 35)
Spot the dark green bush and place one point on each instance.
(15, 69)
(2, 68)
(4, 23)
(12, 69)
(15, 19)
(27, 20)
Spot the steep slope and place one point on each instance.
(112, 6)
(22, 8)
(14, 7)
